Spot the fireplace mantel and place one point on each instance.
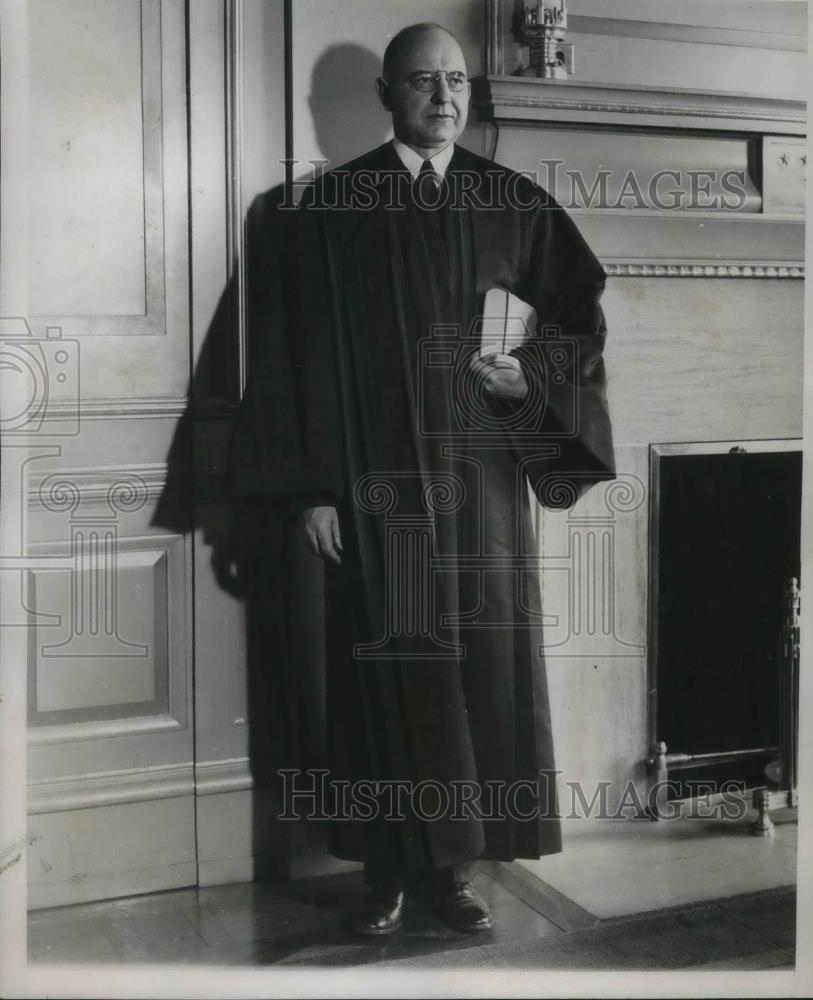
(763, 138)
(531, 99)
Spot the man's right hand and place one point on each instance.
(321, 527)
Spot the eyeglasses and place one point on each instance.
(426, 82)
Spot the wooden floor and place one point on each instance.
(302, 924)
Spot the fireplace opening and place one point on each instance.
(725, 548)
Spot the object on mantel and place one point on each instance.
(716, 140)
(541, 25)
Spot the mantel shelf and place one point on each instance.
(531, 99)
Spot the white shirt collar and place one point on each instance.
(414, 161)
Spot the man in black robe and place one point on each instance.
(405, 454)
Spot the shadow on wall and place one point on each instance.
(348, 118)
(254, 552)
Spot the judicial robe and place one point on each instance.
(435, 668)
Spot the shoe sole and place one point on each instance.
(372, 932)
(469, 930)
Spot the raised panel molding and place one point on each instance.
(101, 642)
(108, 651)
(152, 318)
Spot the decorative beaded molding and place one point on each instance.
(647, 269)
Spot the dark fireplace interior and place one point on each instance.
(728, 542)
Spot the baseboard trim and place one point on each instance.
(94, 888)
(224, 871)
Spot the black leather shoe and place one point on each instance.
(383, 914)
(461, 908)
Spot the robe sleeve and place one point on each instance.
(563, 363)
(287, 449)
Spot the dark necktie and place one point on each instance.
(427, 186)
(431, 196)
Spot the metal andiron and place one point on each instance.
(542, 29)
(781, 772)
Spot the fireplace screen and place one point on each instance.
(726, 546)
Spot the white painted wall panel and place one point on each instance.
(87, 172)
(119, 850)
(120, 655)
(110, 662)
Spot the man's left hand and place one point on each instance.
(502, 376)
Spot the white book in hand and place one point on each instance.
(507, 323)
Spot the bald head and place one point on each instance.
(405, 40)
(425, 86)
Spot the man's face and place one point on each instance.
(429, 120)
